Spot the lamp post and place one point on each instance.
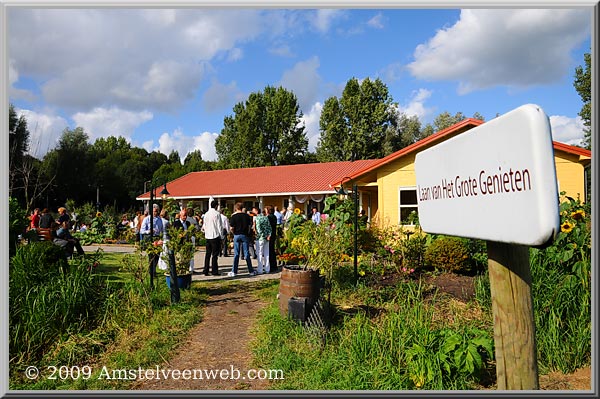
(164, 193)
(342, 192)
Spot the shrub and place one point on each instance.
(413, 250)
(448, 253)
(17, 224)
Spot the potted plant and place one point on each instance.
(180, 243)
(318, 249)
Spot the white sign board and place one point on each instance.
(495, 182)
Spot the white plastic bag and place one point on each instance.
(162, 265)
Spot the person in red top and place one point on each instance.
(34, 220)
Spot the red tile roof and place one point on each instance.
(268, 180)
(572, 149)
(463, 125)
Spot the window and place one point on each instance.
(407, 201)
(588, 183)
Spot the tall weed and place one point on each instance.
(48, 297)
(561, 293)
(401, 348)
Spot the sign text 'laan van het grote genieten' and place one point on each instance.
(495, 182)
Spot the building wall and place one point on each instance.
(401, 173)
(570, 174)
(396, 174)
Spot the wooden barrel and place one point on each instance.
(296, 282)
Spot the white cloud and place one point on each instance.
(377, 21)
(13, 74)
(102, 122)
(567, 130)
(178, 141)
(324, 19)
(416, 104)
(282, 50)
(311, 123)
(304, 81)
(486, 48)
(392, 72)
(205, 142)
(45, 130)
(219, 96)
(13, 77)
(96, 57)
(235, 54)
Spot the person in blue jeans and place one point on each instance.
(240, 224)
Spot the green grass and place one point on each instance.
(135, 331)
(397, 342)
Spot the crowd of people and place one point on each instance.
(60, 229)
(253, 233)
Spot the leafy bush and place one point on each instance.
(17, 223)
(448, 253)
(561, 286)
(413, 250)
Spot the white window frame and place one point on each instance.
(401, 206)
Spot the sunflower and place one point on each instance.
(297, 211)
(98, 214)
(566, 227)
(578, 215)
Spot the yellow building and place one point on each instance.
(387, 187)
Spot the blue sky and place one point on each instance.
(165, 78)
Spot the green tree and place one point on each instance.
(264, 130)
(334, 131)
(174, 157)
(194, 163)
(355, 126)
(168, 172)
(445, 120)
(583, 85)
(404, 131)
(72, 165)
(18, 145)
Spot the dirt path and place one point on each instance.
(220, 342)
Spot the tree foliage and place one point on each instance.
(404, 131)
(194, 163)
(18, 144)
(264, 130)
(583, 85)
(355, 125)
(445, 120)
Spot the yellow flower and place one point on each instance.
(578, 215)
(297, 211)
(98, 214)
(566, 227)
(361, 273)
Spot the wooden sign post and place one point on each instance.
(512, 308)
(497, 182)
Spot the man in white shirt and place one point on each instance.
(213, 232)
